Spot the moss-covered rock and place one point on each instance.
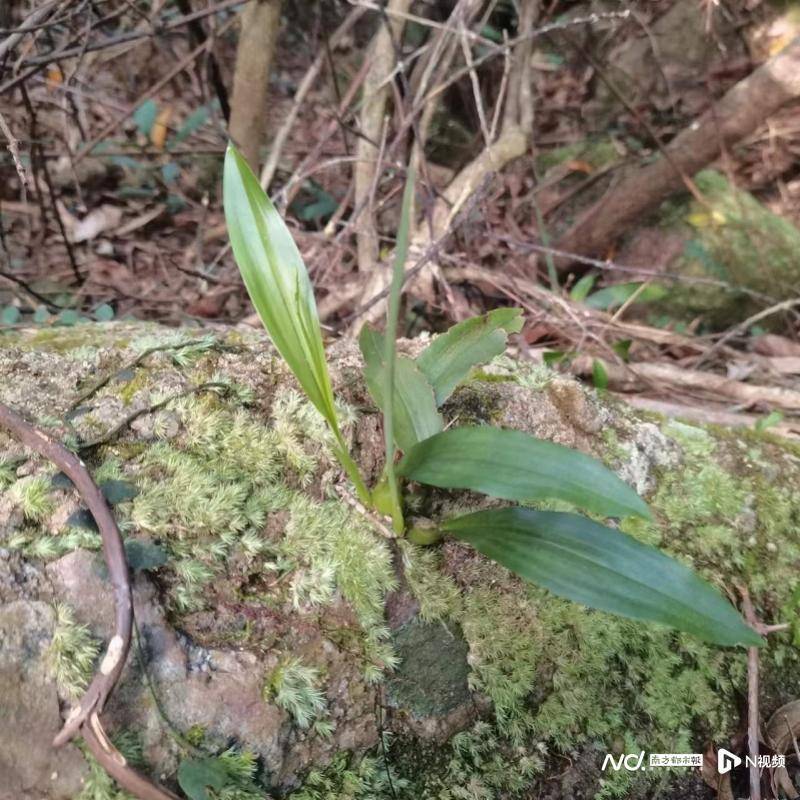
(278, 619)
(733, 239)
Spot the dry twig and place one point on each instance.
(84, 718)
(13, 148)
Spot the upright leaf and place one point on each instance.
(276, 280)
(449, 358)
(390, 347)
(586, 562)
(278, 284)
(512, 465)
(414, 414)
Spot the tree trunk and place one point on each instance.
(257, 38)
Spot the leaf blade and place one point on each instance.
(449, 358)
(583, 561)
(276, 280)
(414, 416)
(512, 465)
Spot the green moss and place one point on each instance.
(210, 494)
(33, 496)
(734, 238)
(60, 340)
(71, 654)
(128, 390)
(368, 778)
(294, 687)
(98, 784)
(502, 635)
(8, 473)
(438, 596)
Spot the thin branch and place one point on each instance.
(13, 148)
(309, 79)
(130, 36)
(114, 431)
(30, 24)
(114, 763)
(152, 91)
(84, 718)
(752, 699)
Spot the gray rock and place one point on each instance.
(29, 710)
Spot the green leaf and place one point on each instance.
(116, 491)
(197, 775)
(276, 280)
(68, 317)
(194, 121)
(553, 357)
(104, 313)
(145, 116)
(278, 284)
(10, 315)
(512, 465)
(586, 562)
(414, 408)
(773, 418)
(41, 315)
(623, 348)
(449, 358)
(143, 556)
(619, 293)
(170, 171)
(599, 374)
(582, 288)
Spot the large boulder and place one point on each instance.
(274, 618)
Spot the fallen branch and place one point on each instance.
(708, 415)
(634, 377)
(752, 699)
(84, 718)
(642, 189)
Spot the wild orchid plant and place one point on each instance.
(569, 554)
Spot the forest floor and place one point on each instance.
(122, 213)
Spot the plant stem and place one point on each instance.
(352, 470)
(390, 343)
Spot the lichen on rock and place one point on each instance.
(415, 672)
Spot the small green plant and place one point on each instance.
(293, 686)
(569, 554)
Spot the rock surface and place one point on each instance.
(275, 619)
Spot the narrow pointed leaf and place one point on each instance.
(586, 562)
(449, 358)
(390, 348)
(276, 280)
(414, 408)
(512, 465)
